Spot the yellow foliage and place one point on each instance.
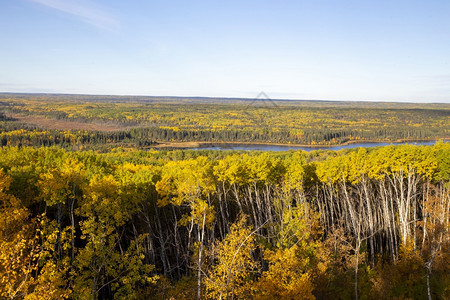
(287, 277)
(230, 276)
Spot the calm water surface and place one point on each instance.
(287, 147)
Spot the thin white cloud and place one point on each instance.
(84, 11)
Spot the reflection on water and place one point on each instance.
(250, 147)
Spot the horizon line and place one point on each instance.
(215, 97)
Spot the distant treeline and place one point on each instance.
(310, 136)
(15, 134)
(72, 140)
(180, 119)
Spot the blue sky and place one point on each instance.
(318, 49)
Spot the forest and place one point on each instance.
(241, 150)
(129, 224)
(142, 122)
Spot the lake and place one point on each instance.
(263, 147)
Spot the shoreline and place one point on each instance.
(204, 144)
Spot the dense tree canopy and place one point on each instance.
(370, 223)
